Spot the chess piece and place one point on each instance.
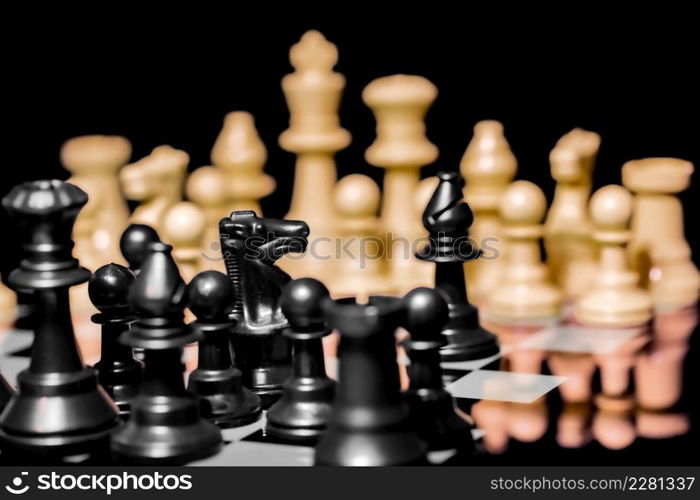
(59, 409)
(303, 411)
(313, 92)
(240, 155)
(135, 245)
(525, 293)
(117, 371)
(165, 426)
(362, 268)
(571, 252)
(251, 245)
(399, 104)
(8, 305)
(615, 300)
(205, 187)
(93, 161)
(447, 218)
(431, 406)
(216, 381)
(369, 423)
(183, 228)
(156, 181)
(488, 166)
(658, 249)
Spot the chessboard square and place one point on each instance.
(255, 454)
(504, 386)
(579, 339)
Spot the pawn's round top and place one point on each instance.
(108, 288)
(135, 242)
(91, 153)
(611, 207)
(210, 296)
(184, 224)
(206, 187)
(523, 203)
(356, 195)
(301, 303)
(426, 314)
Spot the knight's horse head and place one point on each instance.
(260, 238)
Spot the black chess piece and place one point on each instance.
(369, 423)
(59, 410)
(165, 426)
(117, 370)
(135, 244)
(431, 406)
(224, 400)
(448, 218)
(250, 246)
(303, 411)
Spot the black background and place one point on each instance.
(170, 79)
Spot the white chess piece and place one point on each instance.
(525, 293)
(615, 299)
(205, 187)
(183, 228)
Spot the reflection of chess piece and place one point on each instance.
(616, 368)
(527, 422)
(659, 368)
(240, 154)
(661, 425)
(615, 299)
(205, 187)
(313, 93)
(578, 369)
(156, 181)
(401, 148)
(491, 417)
(571, 252)
(8, 305)
(362, 268)
(659, 251)
(573, 426)
(488, 166)
(183, 228)
(525, 292)
(612, 427)
(93, 161)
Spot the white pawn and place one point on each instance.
(525, 293)
(183, 228)
(615, 299)
(362, 270)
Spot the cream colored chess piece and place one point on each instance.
(658, 248)
(488, 166)
(313, 93)
(183, 228)
(401, 148)
(362, 269)
(8, 305)
(614, 300)
(525, 292)
(205, 187)
(93, 161)
(240, 154)
(571, 251)
(157, 182)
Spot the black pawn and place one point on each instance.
(59, 409)
(224, 400)
(118, 372)
(432, 408)
(135, 244)
(369, 423)
(303, 411)
(448, 218)
(164, 426)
